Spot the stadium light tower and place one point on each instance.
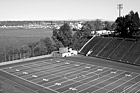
(120, 6)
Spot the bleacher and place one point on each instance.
(117, 49)
(90, 44)
(99, 46)
(121, 50)
(110, 47)
(133, 54)
(137, 62)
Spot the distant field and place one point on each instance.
(19, 37)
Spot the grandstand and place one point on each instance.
(114, 48)
(121, 50)
(110, 47)
(133, 53)
(99, 46)
(91, 43)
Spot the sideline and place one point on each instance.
(23, 60)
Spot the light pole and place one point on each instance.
(5, 53)
(120, 6)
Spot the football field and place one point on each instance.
(72, 75)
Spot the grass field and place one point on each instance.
(78, 74)
(18, 37)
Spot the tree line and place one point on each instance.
(63, 37)
(125, 26)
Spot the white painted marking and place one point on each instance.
(67, 63)
(25, 73)
(58, 84)
(71, 88)
(30, 82)
(80, 80)
(99, 82)
(57, 61)
(87, 67)
(51, 59)
(10, 67)
(99, 69)
(45, 79)
(128, 75)
(34, 76)
(137, 91)
(126, 87)
(118, 85)
(113, 72)
(17, 70)
(130, 88)
(76, 65)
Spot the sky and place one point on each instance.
(20, 10)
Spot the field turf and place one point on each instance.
(74, 75)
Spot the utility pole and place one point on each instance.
(120, 6)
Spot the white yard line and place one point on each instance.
(32, 70)
(95, 79)
(53, 70)
(51, 66)
(98, 65)
(91, 80)
(137, 91)
(34, 63)
(103, 81)
(61, 72)
(76, 69)
(131, 87)
(31, 82)
(73, 71)
(21, 65)
(114, 82)
(62, 75)
(84, 71)
(78, 81)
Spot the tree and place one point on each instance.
(63, 35)
(121, 26)
(128, 25)
(58, 44)
(32, 47)
(79, 40)
(13, 54)
(113, 26)
(98, 25)
(82, 36)
(25, 51)
(107, 25)
(40, 49)
(86, 30)
(48, 43)
(134, 23)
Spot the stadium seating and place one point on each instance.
(110, 47)
(133, 54)
(137, 62)
(89, 45)
(121, 50)
(99, 46)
